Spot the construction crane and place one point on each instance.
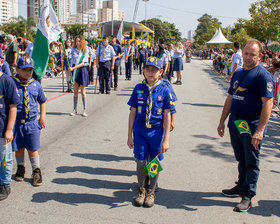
(135, 10)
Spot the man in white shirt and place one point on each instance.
(237, 60)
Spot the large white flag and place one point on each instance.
(48, 30)
(120, 35)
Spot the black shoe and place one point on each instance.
(20, 173)
(243, 206)
(37, 177)
(4, 192)
(233, 192)
(101, 92)
(108, 92)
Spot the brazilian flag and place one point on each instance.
(242, 127)
(277, 36)
(154, 167)
(3, 162)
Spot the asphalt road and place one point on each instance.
(89, 172)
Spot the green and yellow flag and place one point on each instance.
(154, 167)
(277, 36)
(242, 127)
(3, 162)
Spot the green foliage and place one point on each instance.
(18, 26)
(75, 29)
(264, 22)
(206, 29)
(164, 31)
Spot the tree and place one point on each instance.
(206, 29)
(164, 31)
(75, 29)
(264, 24)
(18, 26)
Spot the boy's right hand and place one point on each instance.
(8, 136)
(130, 143)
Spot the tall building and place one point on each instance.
(8, 9)
(85, 5)
(191, 35)
(110, 11)
(63, 9)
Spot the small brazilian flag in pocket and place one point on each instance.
(243, 127)
(154, 167)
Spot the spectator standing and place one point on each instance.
(237, 60)
(12, 54)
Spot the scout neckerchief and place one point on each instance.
(129, 51)
(76, 71)
(150, 101)
(25, 95)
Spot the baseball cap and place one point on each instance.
(25, 62)
(154, 61)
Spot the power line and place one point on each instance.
(190, 12)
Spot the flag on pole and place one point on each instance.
(242, 127)
(154, 167)
(48, 30)
(120, 34)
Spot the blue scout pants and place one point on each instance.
(142, 63)
(248, 163)
(105, 76)
(6, 174)
(147, 141)
(128, 68)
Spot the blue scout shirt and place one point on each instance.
(36, 95)
(76, 55)
(142, 53)
(247, 87)
(179, 54)
(161, 101)
(118, 50)
(173, 96)
(150, 53)
(5, 68)
(106, 54)
(8, 95)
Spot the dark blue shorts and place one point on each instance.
(147, 142)
(27, 135)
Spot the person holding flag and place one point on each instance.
(249, 103)
(80, 78)
(8, 111)
(149, 122)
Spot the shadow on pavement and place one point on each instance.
(217, 78)
(210, 150)
(205, 137)
(172, 199)
(203, 105)
(57, 113)
(101, 157)
(95, 171)
(266, 208)
(123, 94)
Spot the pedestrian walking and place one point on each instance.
(79, 58)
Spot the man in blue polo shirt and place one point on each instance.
(250, 99)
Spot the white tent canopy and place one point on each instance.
(219, 38)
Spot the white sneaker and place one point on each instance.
(73, 113)
(85, 114)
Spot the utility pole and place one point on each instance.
(112, 18)
(145, 11)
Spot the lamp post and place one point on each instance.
(145, 10)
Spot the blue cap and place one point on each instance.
(25, 62)
(154, 61)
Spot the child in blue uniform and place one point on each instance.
(149, 121)
(27, 127)
(8, 112)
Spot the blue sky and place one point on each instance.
(184, 13)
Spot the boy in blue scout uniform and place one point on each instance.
(27, 127)
(149, 121)
(105, 58)
(9, 99)
(4, 66)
